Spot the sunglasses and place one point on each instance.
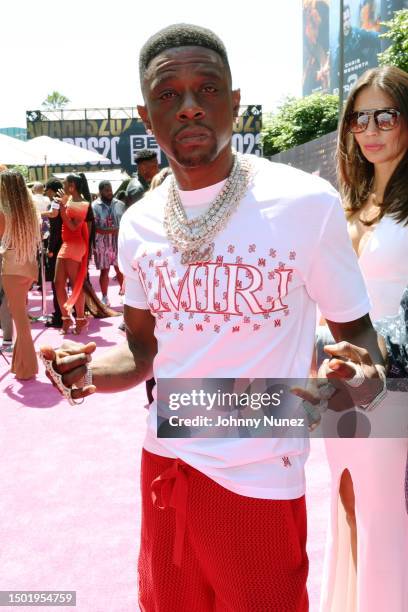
(384, 118)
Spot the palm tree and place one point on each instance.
(55, 100)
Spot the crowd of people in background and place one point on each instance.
(75, 228)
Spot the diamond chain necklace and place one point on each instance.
(194, 237)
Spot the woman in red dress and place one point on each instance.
(72, 259)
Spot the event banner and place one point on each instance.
(119, 139)
(362, 21)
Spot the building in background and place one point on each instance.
(15, 132)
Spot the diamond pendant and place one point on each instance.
(198, 255)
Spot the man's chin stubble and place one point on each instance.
(196, 160)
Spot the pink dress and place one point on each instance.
(377, 468)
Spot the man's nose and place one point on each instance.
(190, 108)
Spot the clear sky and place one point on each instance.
(88, 49)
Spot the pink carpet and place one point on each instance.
(69, 503)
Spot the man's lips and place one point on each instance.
(192, 136)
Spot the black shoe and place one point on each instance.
(53, 322)
(122, 326)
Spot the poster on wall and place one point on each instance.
(362, 27)
(316, 64)
(119, 139)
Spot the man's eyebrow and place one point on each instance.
(162, 79)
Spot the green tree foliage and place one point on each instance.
(299, 120)
(55, 100)
(397, 53)
(22, 169)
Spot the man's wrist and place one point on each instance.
(118, 370)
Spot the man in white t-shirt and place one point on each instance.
(41, 201)
(224, 266)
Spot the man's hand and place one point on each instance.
(70, 360)
(118, 369)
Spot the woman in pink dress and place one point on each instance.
(367, 553)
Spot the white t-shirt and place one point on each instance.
(41, 202)
(250, 313)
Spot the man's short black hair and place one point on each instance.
(145, 155)
(53, 184)
(180, 35)
(104, 184)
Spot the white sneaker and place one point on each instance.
(105, 300)
(7, 347)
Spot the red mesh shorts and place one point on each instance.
(204, 548)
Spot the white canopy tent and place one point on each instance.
(53, 152)
(115, 177)
(14, 152)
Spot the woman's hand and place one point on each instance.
(62, 198)
(349, 378)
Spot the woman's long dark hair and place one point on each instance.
(81, 184)
(355, 172)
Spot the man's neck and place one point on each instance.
(144, 183)
(190, 179)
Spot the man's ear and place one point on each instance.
(236, 100)
(144, 115)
